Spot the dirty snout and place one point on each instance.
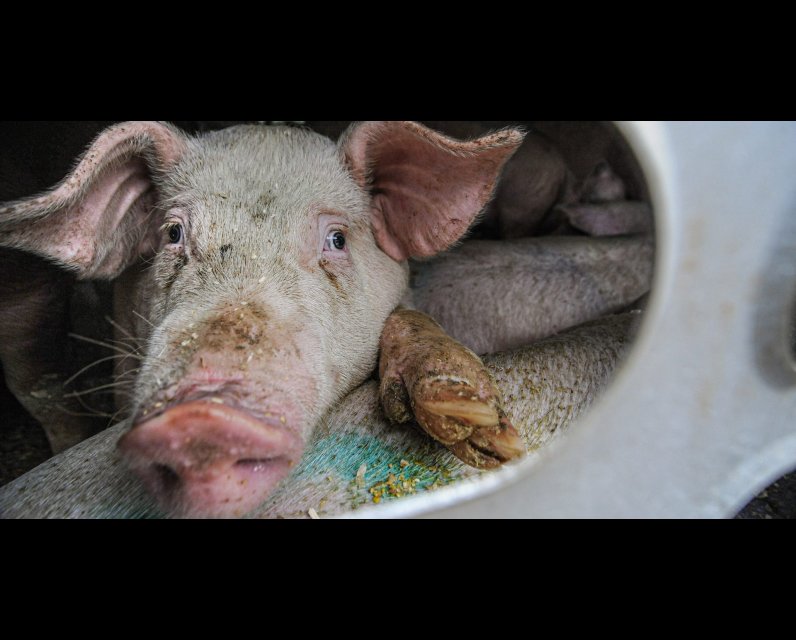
(229, 429)
(202, 459)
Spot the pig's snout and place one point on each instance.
(201, 459)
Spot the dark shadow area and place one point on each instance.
(23, 445)
(776, 502)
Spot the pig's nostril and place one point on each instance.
(200, 458)
(168, 479)
(260, 464)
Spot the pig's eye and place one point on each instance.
(335, 241)
(174, 233)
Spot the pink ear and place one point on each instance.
(100, 217)
(426, 188)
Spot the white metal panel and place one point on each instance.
(703, 414)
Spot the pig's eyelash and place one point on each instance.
(170, 227)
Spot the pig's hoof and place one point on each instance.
(459, 407)
(490, 446)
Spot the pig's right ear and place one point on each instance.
(426, 188)
(100, 218)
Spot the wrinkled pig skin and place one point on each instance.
(250, 315)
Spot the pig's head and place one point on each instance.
(274, 257)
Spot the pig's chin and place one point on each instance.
(200, 459)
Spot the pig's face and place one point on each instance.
(268, 295)
(273, 259)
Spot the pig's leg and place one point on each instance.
(428, 376)
(603, 208)
(625, 217)
(34, 321)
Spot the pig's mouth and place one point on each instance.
(203, 459)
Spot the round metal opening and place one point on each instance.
(594, 191)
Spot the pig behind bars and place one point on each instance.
(255, 268)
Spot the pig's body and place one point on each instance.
(547, 385)
(498, 295)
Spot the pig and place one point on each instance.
(38, 318)
(356, 458)
(255, 269)
(566, 178)
(496, 296)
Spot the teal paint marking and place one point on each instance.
(339, 456)
(342, 454)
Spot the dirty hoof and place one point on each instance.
(428, 377)
(490, 446)
(467, 419)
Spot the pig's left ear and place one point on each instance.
(426, 188)
(100, 218)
